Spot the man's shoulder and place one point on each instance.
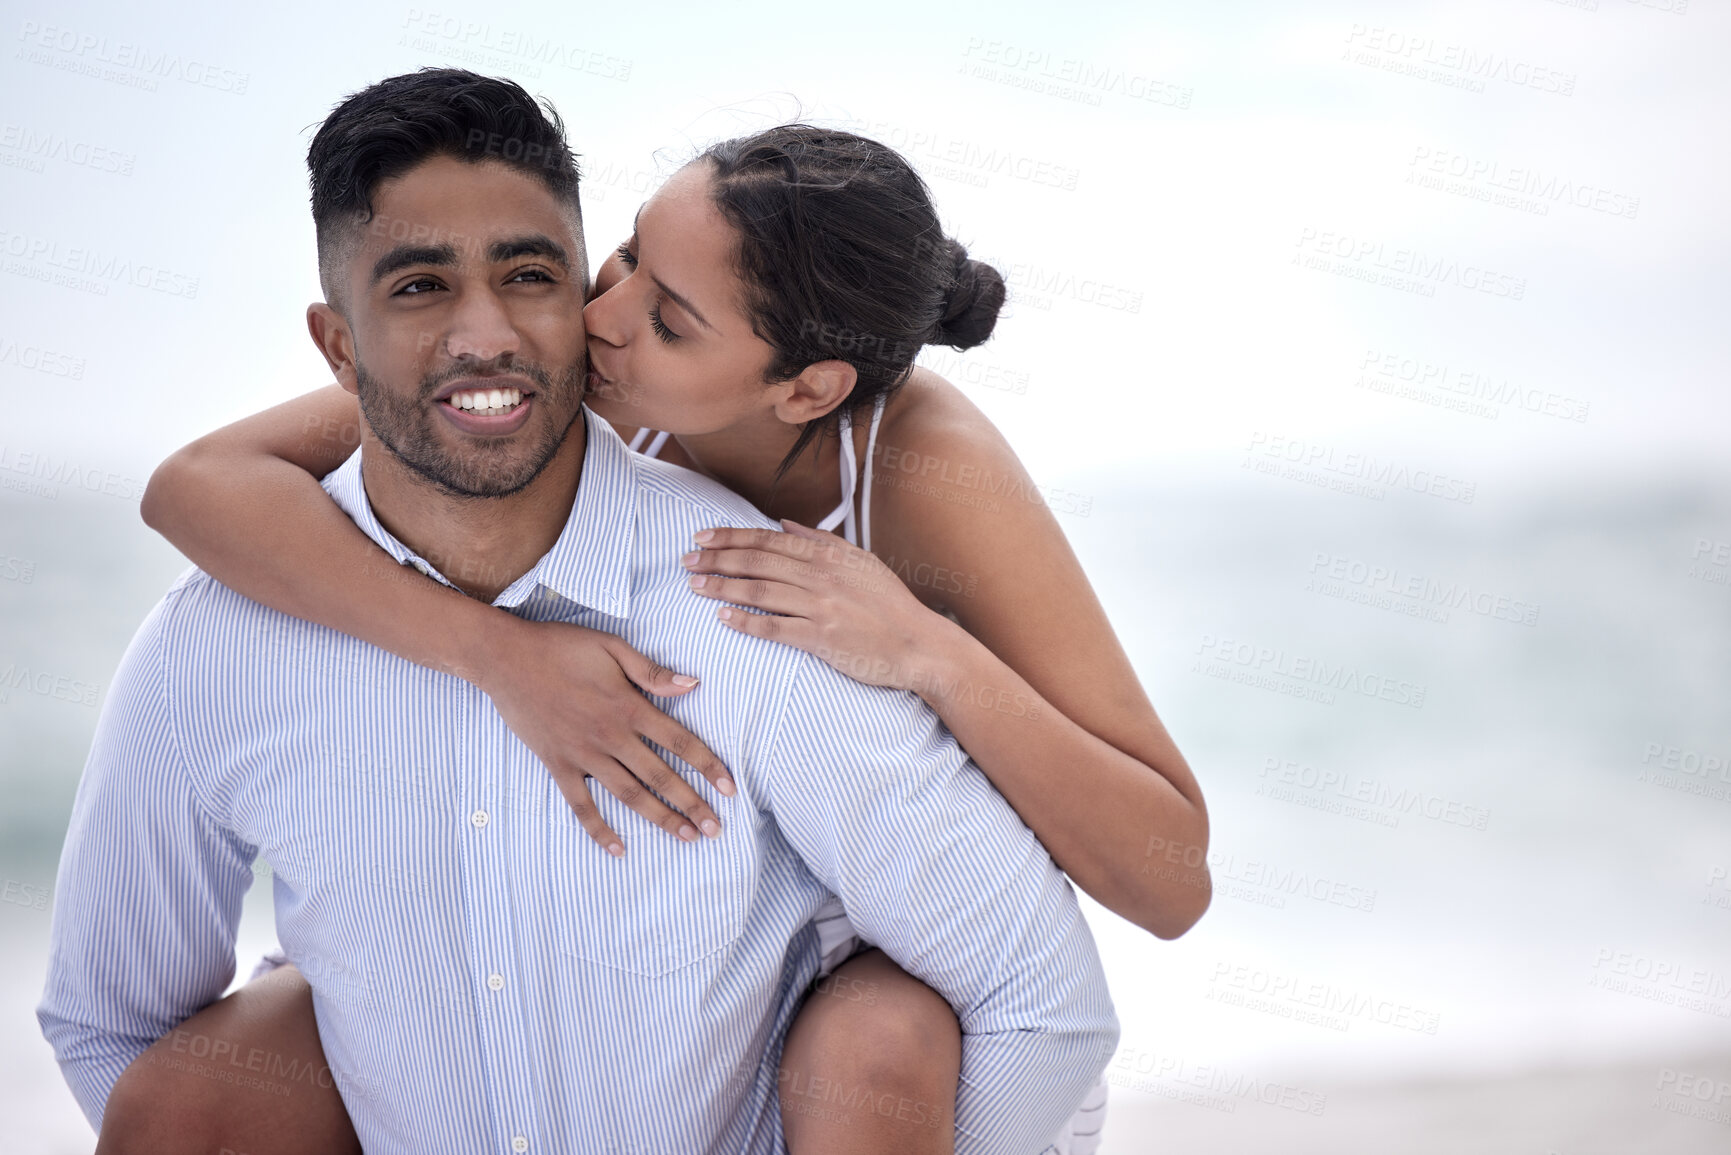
(676, 491)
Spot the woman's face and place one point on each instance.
(670, 344)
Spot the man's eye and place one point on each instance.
(532, 274)
(416, 288)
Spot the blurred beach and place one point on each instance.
(1488, 922)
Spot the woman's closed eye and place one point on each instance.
(656, 322)
(661, 330)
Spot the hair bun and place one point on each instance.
(972, 304)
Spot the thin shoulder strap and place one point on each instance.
(654, 449)
(843, 515)
(857, 528)
(865, 501)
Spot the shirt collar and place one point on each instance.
(591, 562)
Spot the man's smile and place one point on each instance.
(487, 405)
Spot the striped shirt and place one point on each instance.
(486, 977)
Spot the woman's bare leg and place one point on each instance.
(871, 1065)
(216, 1082)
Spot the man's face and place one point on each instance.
(466, 312)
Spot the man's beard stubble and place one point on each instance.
(405, 427)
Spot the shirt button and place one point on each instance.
(519, 1144)
(478, 818)
(496, 982)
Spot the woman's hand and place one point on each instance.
(571, 694)
(833, 600)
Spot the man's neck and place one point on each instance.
(480, 544)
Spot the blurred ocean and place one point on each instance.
(1477, 881)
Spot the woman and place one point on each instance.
(764, 318)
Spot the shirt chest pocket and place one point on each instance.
(666, 906)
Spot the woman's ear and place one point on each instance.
(818, 389)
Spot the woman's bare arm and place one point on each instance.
(244, 504)
(1033, 683)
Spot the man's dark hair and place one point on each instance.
(387, 129)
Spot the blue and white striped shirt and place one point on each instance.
(485, 976)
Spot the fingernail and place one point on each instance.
(698, 581)
(688, 834)
(684, 680)
(725, 785)
(616, 850)
(710, 827)
(724, 613)
(704, 535)
(689, 559)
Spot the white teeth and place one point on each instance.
(492, 402)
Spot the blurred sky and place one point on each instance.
(1180, 160)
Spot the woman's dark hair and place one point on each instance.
(843, 258)
(390, 127)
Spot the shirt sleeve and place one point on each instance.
(936, 869)
(149, 889)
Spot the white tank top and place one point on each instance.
(856, 526)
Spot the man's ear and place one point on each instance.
(331, 334)
(819, 388)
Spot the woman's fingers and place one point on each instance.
(689, 815)
(773, 596)
(685, 746)
(621, 779)
(575, 788)
(649, 676)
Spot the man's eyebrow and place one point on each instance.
(534, 245)
(404, 256)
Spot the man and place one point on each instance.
(528, 992)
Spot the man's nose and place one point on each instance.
(481, 329)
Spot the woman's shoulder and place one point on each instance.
(939, 465)
(930, 415)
